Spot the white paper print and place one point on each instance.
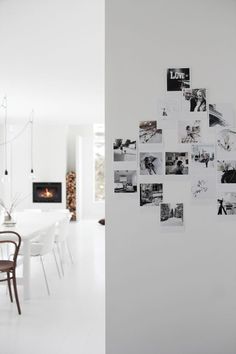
(124, 150)
(151, 194)
(125, 181)
(149, 134)
(151, 163)
(189, 132)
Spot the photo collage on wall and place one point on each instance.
(145, 162)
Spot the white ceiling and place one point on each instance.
(52, 59)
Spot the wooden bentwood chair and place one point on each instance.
(8, 266)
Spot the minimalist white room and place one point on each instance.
(52, 186)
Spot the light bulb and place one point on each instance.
(5, 177)
(32, 174)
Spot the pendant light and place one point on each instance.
(32, 174)
(6, 175)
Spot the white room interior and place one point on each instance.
(52, 62)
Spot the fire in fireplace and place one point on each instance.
(45, 192)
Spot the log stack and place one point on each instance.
(71, 193)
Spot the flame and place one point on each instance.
(46, 194)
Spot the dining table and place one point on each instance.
(29, 226)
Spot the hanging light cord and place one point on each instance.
(32, 140)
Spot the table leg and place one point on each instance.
(26, 269)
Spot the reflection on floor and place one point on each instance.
(72, 319)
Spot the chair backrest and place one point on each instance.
(62, 228)
(11, 238)
(47, 238)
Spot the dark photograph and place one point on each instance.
(226, 171)
(151, 194)
(124, 150)
(194, 100)
(176, 163)
(178, 79)
(148, 133)
(221, 115)
(172, 214)
(125, 181)
(151, 163)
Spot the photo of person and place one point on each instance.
(176, 163)
(148, 133)
(151, 194)
(226, 140)
(226, 171)
(203, 188)
(203, 158)
(178, 79)
(124, 150)
(194, 100)
(151, 163)
(189, 132)
(125, 181)
(226, 203)
(172, 215)
(221, 115)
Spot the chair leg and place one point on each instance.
(16, 293)
(45, 277)
(59, 253)
(69, 251)
(9, 286)
(58, 270)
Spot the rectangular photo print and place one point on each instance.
(172, 215)
(176, 163)
(151, 163)
(221, 115)
(189, 132)
(194, 100)
(151, 194)
(125, 181)
(124, 150)
(203, 188)
(226, 142)
(226, 203)
(148, 133)
(203, 159)
(178, 79)
(226, 171)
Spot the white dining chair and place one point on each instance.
(44, 245)
(61, 234)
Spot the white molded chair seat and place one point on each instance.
(43, 245)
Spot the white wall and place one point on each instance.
(167, 293)
(80, 148)
(49, 162)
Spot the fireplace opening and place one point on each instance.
(46, 192)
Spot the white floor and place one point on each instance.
(72, 319)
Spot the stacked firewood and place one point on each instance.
(71, 193)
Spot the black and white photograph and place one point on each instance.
(203, 159)
(172, 215)
(125, 181)
(221, 115)
(178, 79)
(203, 188)
(189, 132)
(148, 133)
(168, 107)
(125, 150)
(176, 163)
(226, 141)
(151, 163)
(226, 203)
(151, 194)
(226, 171)
(194, 100)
